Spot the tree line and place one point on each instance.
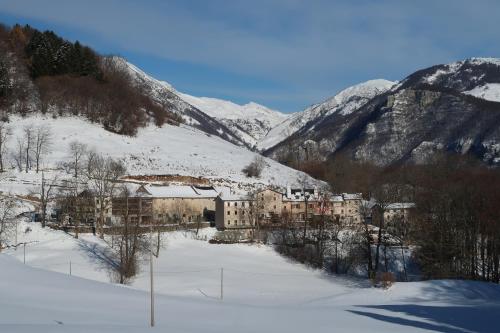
(42, 72)
(453, 232)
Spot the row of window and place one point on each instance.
(236, 222)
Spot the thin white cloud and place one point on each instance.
(310, 45)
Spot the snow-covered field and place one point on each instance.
(167, 150)
(263, 292)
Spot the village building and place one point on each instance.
(349, 209)
(134, 206)
(233, 211)
(178, 204)
(298, 202)
(398, 211)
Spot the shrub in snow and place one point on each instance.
(254, 169)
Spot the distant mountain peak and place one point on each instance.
(344, 102)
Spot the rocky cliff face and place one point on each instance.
(431, 110)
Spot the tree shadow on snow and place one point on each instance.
(446, 319)
(103, 256)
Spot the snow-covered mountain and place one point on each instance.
(344, 103)
(238, 124)
(444, 108)
(164, 94)
(250, 122)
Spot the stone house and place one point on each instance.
(177, 204)
(234, 212)
(398, 211)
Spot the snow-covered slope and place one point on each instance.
(164, 94)
(344, 103)
(167, 150)
(239, 124)
(263, 292)
(250, 122)
(476, 76)
(489, 92)
(429, 111)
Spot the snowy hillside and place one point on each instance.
(251, 121)
(475, 76)
(489, 92)
(159, 151)
(429, 111)
(344, 103)
(263, 292)
(164, 94)
(239, 124)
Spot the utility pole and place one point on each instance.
(152, 307)
(222, 283)
(70, 268)
(16, 235)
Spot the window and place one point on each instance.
(235, 204)
(235, 222)
(229, 204)
(235, 212)
(310, 205)
(274, 198)
(243, 222)
(228, 222)
(228, 212)
(243, 213)
(274, 206)
(242, 204)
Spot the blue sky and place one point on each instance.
(285, 54)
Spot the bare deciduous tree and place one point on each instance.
(42, 141)
(77, 152)
(46, 196)
(28, 145)
(102, 174)
(5, 133)
(7, 222)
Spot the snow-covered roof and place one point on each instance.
(297, 194)
(337, 198)
(352, 196)
(181, 191)
(400, 205)
(225, 196)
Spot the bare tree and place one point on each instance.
(102, 174)
(304, 183)
(28, 145)
(5, 133)
(385, 194)
(7, 223)
(365, 212)
(254, 212)
(77, 152)
(46, 195)
(254, 169)
(42, 141)
(130, 241)
(18, 154)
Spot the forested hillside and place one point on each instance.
(42, 72)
